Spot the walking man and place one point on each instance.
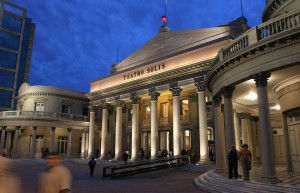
(92, 164)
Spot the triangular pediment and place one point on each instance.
(168, 43)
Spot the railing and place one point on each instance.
(266, 30)
(43, 114)
(142, 167)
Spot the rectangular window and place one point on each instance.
(85, 111)
(11, 23)
(39, 107)
(65, 109)
(5, 98)
(185, 109)
(8, 60)
(147, 116)
(164, 110)
(62, 145)
(7, 79)
(129, 115)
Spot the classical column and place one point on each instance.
(52, 146)
(135, 127)
(104, 131)
(83, 135)
(288, 157)
(69, 143)
(91, 131)
(254, 139)
(16, 140)
(220, 153)
(245, 117)
(203, 133)
(33, 143)
(176, 121)
(228, 116)
(268, 161)
(154, 123)
(194, 119)
(86, 143)
(118, 145)
(3, 130)
(237, 131)
(8, 143)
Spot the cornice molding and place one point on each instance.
(193, 68)
(243, 57)
(45, 94)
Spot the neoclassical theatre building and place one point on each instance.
(200, 90)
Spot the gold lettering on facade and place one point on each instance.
(138, 73)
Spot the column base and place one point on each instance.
(270, 180)
(204, 161)
(220, 171)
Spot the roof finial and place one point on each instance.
(164, 17)
(242, 7)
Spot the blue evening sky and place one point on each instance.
(76, 41)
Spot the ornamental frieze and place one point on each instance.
(193, 68)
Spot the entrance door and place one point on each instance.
(146, 143)
(39, 144)
(164, 140)
(294, 135)
(186, 139)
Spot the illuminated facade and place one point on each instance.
(197, 90)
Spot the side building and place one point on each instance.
(56, 118)
(16, 43)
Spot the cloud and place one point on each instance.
(76, 43)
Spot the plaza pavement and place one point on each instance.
(174, 180)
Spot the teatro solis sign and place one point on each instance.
(147, 70)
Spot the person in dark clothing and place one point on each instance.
(125, 157)
(233, 157)
(92, 164)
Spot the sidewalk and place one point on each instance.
(175, 180)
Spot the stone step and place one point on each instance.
(212, 182)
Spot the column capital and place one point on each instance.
(92, 108)
(34, 128)
(105, 106)
(261, 79)
(175, 91)
(119, 103)
(227, 91)
(3, 127)
(193, 97)
(217, 101)
(243, 115)
(69, 129)
(200, 85)
(18, 127)
(154, 95)
(135, 99)
(53, 128)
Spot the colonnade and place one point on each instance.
(224, 130)
(154, 127)
(6, 136)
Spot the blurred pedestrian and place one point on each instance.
(92, 164)
(57, 178)
(9, 183)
